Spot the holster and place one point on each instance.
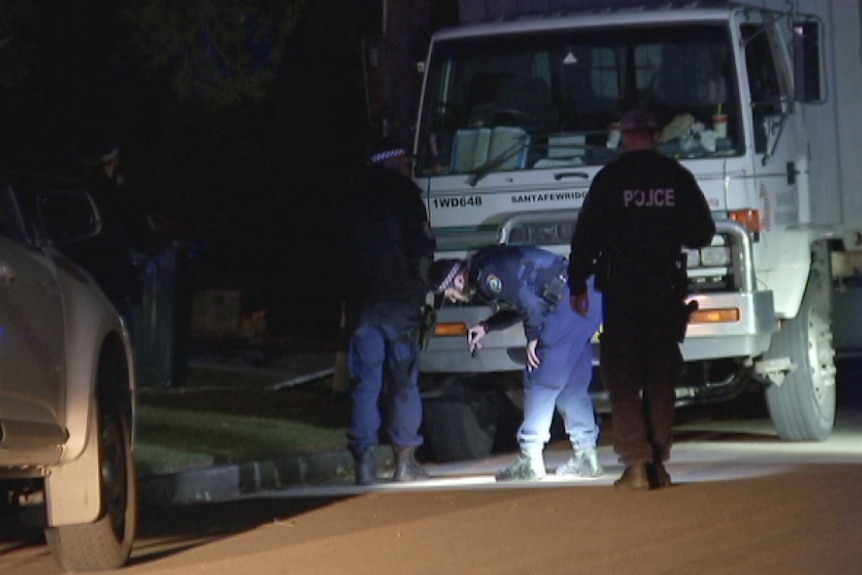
(681, 321)
(553, 281)
(553, 291)
(604, 268)
(679, 291)
(426, 327)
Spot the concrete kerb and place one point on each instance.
(224, 482)
(231, 481)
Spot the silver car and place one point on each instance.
(66, 380)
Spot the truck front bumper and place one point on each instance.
(748, 336)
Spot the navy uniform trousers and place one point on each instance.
(563, 378)
(385, 338)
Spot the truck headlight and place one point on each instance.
(713, 256)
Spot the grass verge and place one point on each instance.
(221, 417)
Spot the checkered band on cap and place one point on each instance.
(387, 155)
(637, 120)
(443, 273)
(109, 155)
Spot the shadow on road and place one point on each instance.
(166, 531)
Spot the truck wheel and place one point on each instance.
(106, 543)
(802, 407)
(459, 428)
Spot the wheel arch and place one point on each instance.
(93, 341)
(78, 479)
(802, 406)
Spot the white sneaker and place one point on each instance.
(524, 468)
(584, 463)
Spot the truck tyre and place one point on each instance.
(802, 407)
(459, 428)
(106, 543)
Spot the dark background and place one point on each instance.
(251, 185)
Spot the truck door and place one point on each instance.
(780, 159)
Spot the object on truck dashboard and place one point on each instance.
(678, 127)
(500, 148)
(614, 135)
(719, 124)
(555, 163)
(709, 140)
(566, 146)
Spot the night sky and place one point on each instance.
(254, 184)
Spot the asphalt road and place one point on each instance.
(744, 502)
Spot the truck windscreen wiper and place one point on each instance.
(497, 161)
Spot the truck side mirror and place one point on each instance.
(374, 72)
(808, 61)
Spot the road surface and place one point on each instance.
(744, 503)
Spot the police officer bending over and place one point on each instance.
(559, 357)
(640, 211)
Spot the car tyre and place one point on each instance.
(106, 543)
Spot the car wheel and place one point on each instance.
(106, 543)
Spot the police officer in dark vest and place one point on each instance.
(388, 247)
(641, 210)
(128, 233)
(558, 370)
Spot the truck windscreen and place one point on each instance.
(551, 98)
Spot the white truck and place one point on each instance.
(759, 100)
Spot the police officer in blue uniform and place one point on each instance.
(558, 367)
(639, 213)
(388, 247)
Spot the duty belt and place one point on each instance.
(553, 291)
(550, 282)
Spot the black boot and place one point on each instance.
(365, 466)
(406, 466)
(634, 478)
(659, 477)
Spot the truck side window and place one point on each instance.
(762, 81)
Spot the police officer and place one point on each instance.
(640, 211)
(388, 247)
(128, 233)
(558, 367)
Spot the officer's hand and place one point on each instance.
(474, 337)
(580, 303)
(533, 360)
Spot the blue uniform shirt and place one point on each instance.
(517, 276)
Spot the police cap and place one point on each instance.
(442, 273)
(638, 121)
(386, 149)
